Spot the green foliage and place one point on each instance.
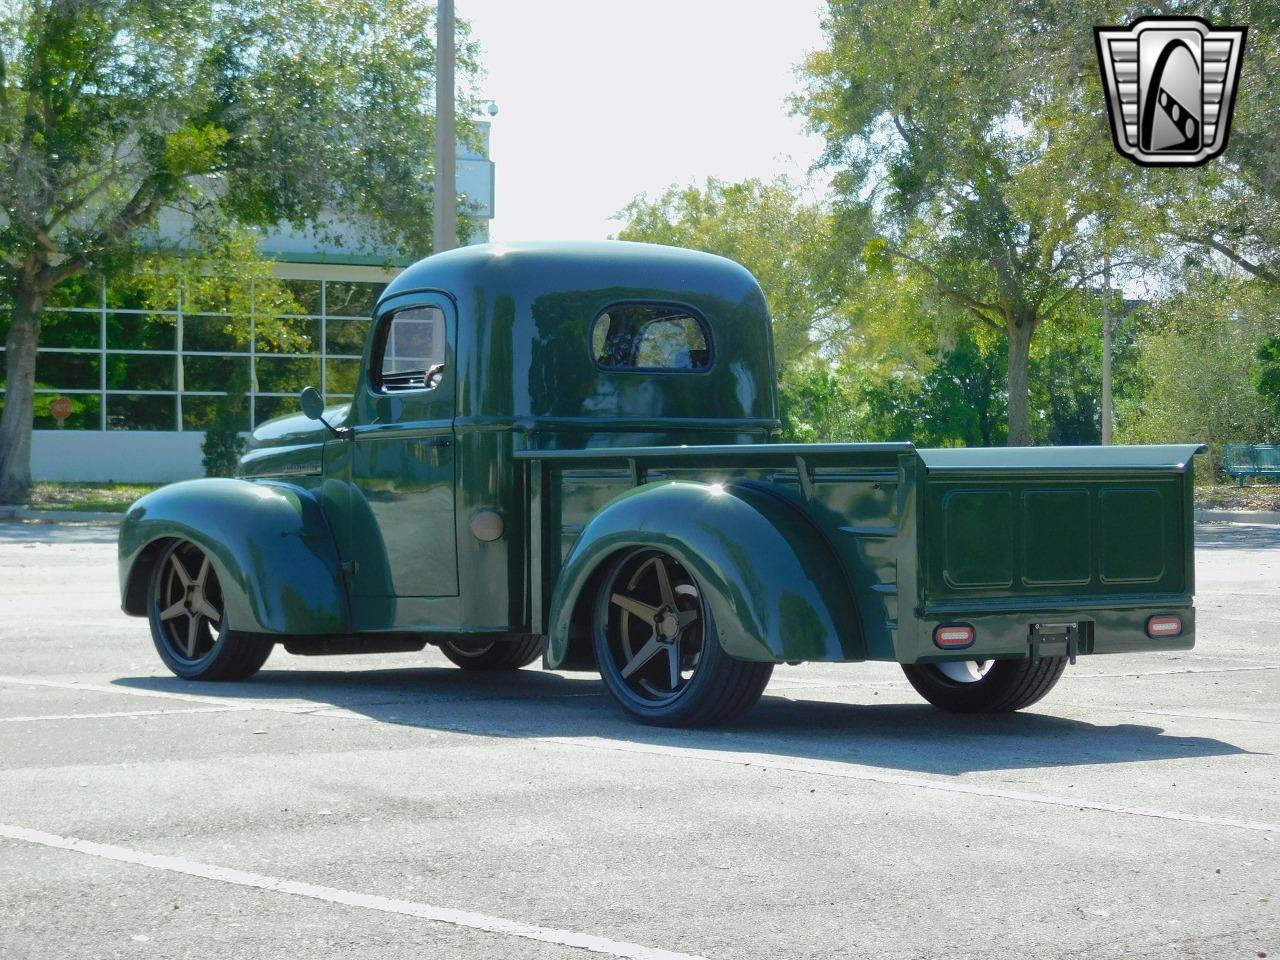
(1267, 377)
(773, 231)
(816, 405)
(1199, 361)
(958, 403)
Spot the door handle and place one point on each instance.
(436, 442)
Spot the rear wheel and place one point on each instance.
(657, 649)
(985, 686)
(188, 625)
(482, 653)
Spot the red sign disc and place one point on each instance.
(61, 408)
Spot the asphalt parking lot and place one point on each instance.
(396, 806)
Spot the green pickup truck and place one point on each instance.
(567, 451)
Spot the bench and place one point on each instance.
(1244, 460)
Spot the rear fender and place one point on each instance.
(269, 543)
(774, 586)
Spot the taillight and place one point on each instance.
(953, 636)
(1164, 627)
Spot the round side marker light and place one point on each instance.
(953, 636)
(1164, 627)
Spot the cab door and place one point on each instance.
(402, 470)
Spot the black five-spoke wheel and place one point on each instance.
(656, 646)
(188, 621)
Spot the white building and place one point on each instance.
(138, 391)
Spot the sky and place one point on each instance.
(602, 100)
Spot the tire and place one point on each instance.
(190, 632)
(493, 654)
(657, 648)
(990, 686)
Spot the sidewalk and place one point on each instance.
(58, 516)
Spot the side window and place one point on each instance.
(413, 350)
(650, 336)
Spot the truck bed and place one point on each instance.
(1002, 538)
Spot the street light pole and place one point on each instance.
(1107, 417)
(445, 234)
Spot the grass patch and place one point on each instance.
(1258, 495)
(86, 497)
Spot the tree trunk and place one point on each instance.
(1020, 382)
(19, 396)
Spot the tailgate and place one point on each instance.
(1054, 528)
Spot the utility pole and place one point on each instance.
(1107, 416)
(445, 234)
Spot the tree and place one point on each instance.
(1231, 207)
(258, 112)
(773, 231)
(1200, 361)
(973, 139)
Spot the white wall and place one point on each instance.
(119, 456)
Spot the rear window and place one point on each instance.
(650, 336)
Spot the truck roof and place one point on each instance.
(525, 317)
(547, 267)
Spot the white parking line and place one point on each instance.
(124, 713)
(364, 901)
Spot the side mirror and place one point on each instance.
(313, 409)
(312, 403)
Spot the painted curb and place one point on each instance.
(1238, 516)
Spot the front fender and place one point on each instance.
(269, 543)
(773, 584)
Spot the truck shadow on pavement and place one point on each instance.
(532, 704)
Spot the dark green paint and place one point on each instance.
(269, 544)
(804, 552)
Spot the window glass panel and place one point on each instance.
(345, 298)
(67, 371)
(140, 331)
(288, 335)
(160, 295)
(86, 411)
(266, 408)
(141, 412)
(81, 291)
(306, 292)
(341, 375)
(199, 412)
(60, 328)
(140, 372)
(213, 334)
(214, 373)
(346, 336)
(413, 348)
(287, 375)
(647, 336)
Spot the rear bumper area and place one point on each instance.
(1045, 633)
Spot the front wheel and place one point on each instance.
(481, 653)
(656, 645)
(188, 623)
(985, 686)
